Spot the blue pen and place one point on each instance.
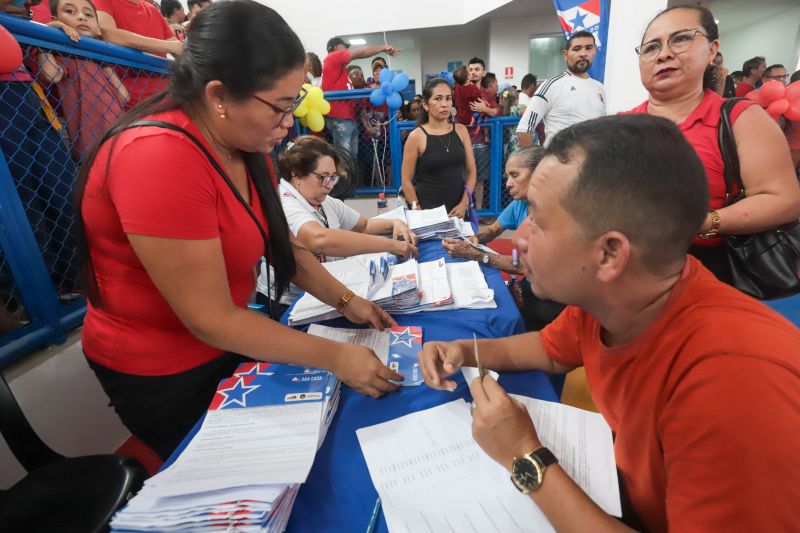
(372, 269)
(373, 520)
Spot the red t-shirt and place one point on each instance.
(704, 405)
(143, 18)
(336, 78)
(158, 184)
(41, 12)
(463, 95)
(743, 88)
(701, 129)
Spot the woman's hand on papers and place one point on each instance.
(404, 250)
(501, 425)
(460, 209)
(359, 367)
(361, 311)
(459, 248)
(440, 359)
(401, 232)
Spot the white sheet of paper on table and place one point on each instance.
(431, 475)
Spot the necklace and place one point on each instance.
(446, 147)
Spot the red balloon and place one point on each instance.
(778, 108)
(757, 97)
(10, 52)
(793, 92)
(773, 90)
(793, 113)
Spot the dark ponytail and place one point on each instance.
(709, 25)
(246, 46)
(427, 94)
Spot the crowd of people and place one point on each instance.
(620, 223)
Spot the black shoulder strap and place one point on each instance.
(217, 167)
(727, 147)
(424, 131)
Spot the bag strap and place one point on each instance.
(730, 157)
(217, 167)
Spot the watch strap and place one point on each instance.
(544, 457)
(344, 300)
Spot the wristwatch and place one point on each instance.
(527, 472)
(344, 300)
(485, 259)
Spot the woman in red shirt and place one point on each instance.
(675, 63)
(173, 230)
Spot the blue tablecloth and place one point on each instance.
(339, 495)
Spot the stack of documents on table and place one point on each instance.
(432, 476)
(398, 348)
(408, 287)
(427, 223)
(242, 470)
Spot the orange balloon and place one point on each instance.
(757, 97)
(10, 52)
(778, 108)
(793, 92)
(773, 90)
(793, 113)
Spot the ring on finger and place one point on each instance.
(472, 407)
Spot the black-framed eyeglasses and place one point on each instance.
(326, 181)
(778, 77)
(678, 42)
(284, 111)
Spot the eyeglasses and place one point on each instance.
(284, 112)
(326, 181)
(778, 77)
(678, 42)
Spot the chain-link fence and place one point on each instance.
(53, 109)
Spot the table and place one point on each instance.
(339, 495)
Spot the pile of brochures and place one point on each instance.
(401, 288)
(411, 460)
(242, 470)
(430, 223)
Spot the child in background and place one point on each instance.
(91, 96)
(464, 93)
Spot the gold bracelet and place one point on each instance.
(345, 299)
(713, 231)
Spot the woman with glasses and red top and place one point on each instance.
(675, 63)
(324, 225)
(177, 206)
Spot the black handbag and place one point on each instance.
(765, 265)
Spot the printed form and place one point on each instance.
(432, 476)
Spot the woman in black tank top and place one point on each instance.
(437, 158)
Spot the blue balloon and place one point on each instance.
(385, 76)
(377, 97)
(387, 88)
(400, 82)
(394, 101)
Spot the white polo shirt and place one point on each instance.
(299, 213)
(562, 101)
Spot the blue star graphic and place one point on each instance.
(404, 337)
(578, 20)
(236, 394)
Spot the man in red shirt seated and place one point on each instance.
(699, 382)
(137, 24)
(341, 120)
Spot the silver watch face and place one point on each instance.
(485, 259)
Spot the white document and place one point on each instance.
(469, 287)
(471, 372)
(420, 218)
(378, 341)
(433, 283)
(432, 476)
(253, 446)
(398, 213)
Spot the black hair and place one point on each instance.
(351, 68)
(769, 69)
(639, 176)
(377, 59)
(191, 3)
(527, 81)
(487, 79)
(314, 63)
(737, 74)
(168, 7)
(795, 77)
(247, 28)
(427, 93)
(478, 61)
(583, 34)
(752, 64)
(709, 25)
(300, 158)
(53, 4)
(460, 75)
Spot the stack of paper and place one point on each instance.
(397, 348)
(428, 223)
(432, 476)
(242, 469)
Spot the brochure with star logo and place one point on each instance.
(404, 347)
